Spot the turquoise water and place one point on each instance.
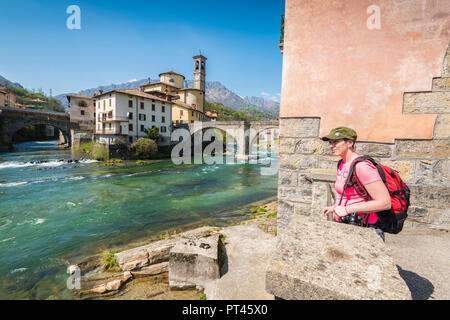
(52, 211)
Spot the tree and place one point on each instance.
(152, 133)
(144, 148)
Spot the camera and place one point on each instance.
(352, 219)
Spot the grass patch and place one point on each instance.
(202, 297)
(109, 262)
(272, 214)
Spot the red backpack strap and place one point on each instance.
(353, 180)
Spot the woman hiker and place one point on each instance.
(342, 143)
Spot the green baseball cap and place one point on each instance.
(341, 133)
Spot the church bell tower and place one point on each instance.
(199, 72)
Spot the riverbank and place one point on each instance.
(261, 215)
(420, 252)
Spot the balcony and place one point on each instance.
(110, 131)
(115, 119)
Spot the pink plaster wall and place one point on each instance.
(335, 68)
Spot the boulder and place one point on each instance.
(319, 259)
(152, 270)
(192, 262)
(155, 252)
(113, 285)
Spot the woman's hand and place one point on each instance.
(328, 210)
(340, 211)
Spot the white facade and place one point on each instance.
(125, 116)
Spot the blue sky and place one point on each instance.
(124, 40)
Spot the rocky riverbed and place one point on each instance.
(152, 282)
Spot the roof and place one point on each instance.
(151, 84)
(199, 56)
(171, 72)
(184, 105)
(186, 89)
(135, 92)
(82, 96)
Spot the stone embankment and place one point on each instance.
(187, 261)
(243, 261)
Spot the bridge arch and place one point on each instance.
(13, 119)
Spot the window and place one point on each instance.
(163, 109)
(130, 127)
(142, 128)
(142, 117)
(130, 103)
(104, 104)
(153, 118)
(130, 115)
(130, 139)
(163, 119)
(153, 107)
(82, 112)
(110, 102)
(163, 129)
(94, 115)
(181, 112)
(142, 105)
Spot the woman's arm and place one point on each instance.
(381, 200)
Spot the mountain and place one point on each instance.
(6, 83)
(215, 92)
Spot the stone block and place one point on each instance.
(295, 194)
(375, 149)
(433, 172)
(299, 127)
(287, 178)
(441, 84)
(428, 149)
(155, 252)
(151, 270)
(192, 262)
(426, 102)
(322, 260)
(304, 146)
(405, 168)
(430, 196)
(439, 217)
(319, 174)
(442, 127)
(297, 161)
(322, 196)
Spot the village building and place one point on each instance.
(7, 98)
(187, 103)
(126, 115)
(82, 111)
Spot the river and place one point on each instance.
(54, 210)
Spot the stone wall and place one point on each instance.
(307, 169)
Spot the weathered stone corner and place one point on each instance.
(319, 259)
(193, 262)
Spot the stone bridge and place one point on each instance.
(14, 119)
(243, 132)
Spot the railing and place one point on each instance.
(115, 119)
(108, 131)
